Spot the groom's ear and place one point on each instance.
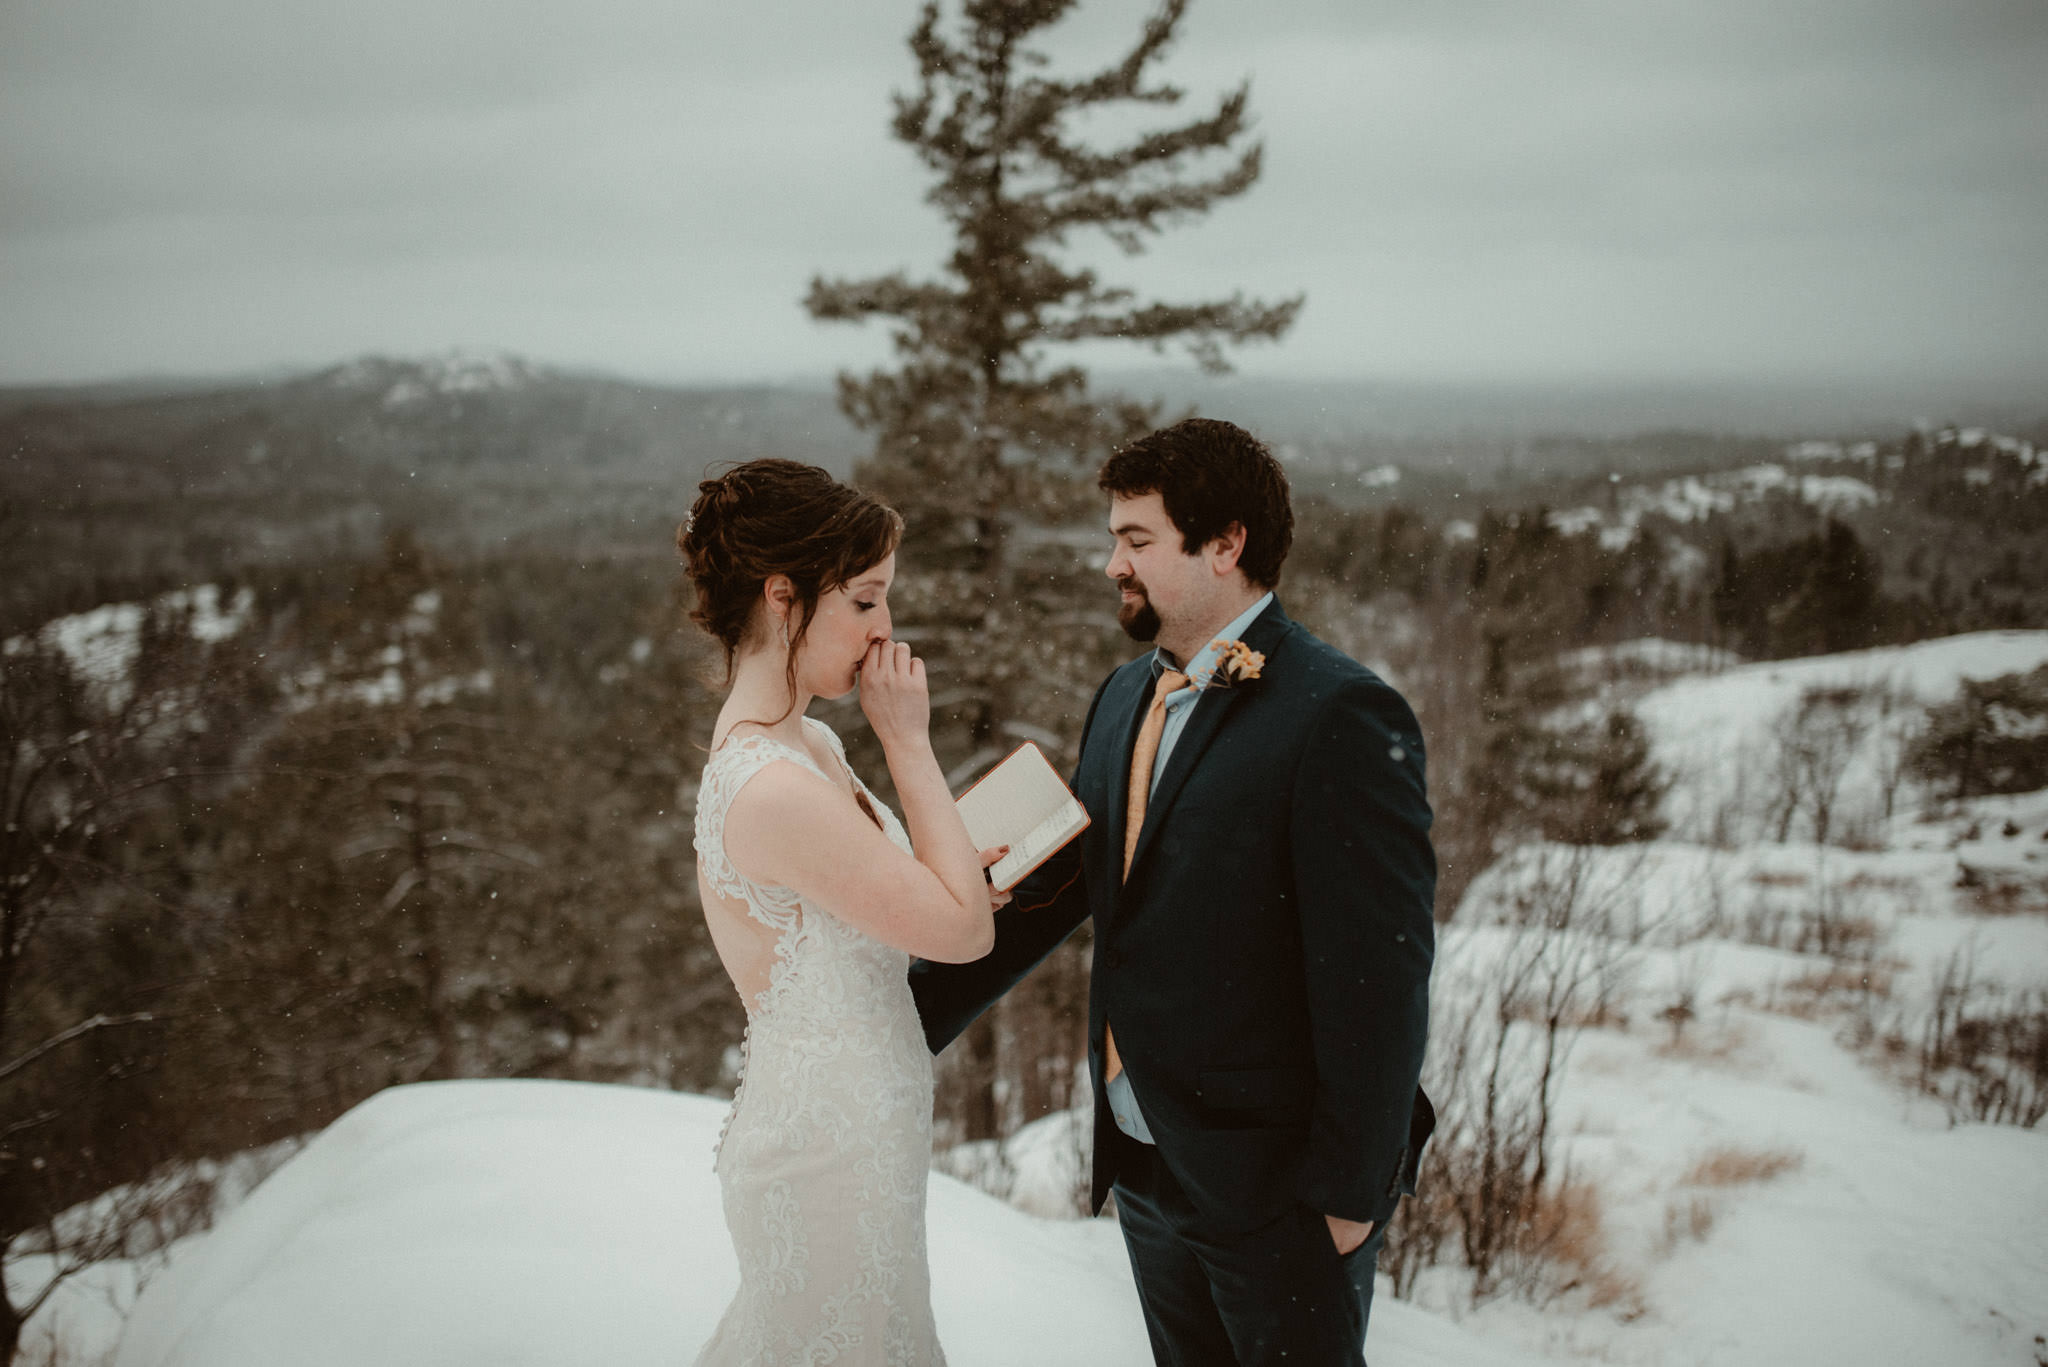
(1223, 551)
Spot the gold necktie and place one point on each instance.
(1142, 755)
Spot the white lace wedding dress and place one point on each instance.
(824, 1159)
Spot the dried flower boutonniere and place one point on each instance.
(1236, 663)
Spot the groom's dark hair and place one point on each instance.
(1211, 474)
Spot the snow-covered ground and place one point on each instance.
(498, 1224)
(1773, 1187)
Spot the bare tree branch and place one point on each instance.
(76, 1032)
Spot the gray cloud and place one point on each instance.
(1639, 188)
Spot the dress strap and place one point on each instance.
(727, 771)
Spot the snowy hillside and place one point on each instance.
(1779, 1057)
(1983, 460)
(1720, 737)
(1771, 1184)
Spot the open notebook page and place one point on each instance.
(1023, 804)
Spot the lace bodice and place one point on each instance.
(807, 938)
(826, 1152)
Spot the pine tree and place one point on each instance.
(978, 429)
(975, 423)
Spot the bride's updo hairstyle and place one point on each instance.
(771, 517)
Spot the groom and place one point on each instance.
(1260, 876)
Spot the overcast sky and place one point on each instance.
(1528, 190)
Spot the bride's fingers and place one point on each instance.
(881, 663)
(996, 900)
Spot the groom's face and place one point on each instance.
(1155, 577)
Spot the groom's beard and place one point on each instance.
(1140, 620)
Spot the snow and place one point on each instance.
(394, 684)
(510, 1222)
(81, 1323)
(1895, 1239)
(1836, 493)
(1575, 521)
(1715, 735)
(1900, 1231)
(453, 372)
(1695, 498)
(1647, 655)
(102, 644)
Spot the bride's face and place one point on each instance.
(849, 619)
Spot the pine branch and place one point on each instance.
(853, 301)
(1122, 212)
(1201, 328)
(1157, 150)
(1121, 81)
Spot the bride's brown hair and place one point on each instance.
(770, 517)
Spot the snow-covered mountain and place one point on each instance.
(399, 383)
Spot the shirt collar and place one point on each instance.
(1205, 659)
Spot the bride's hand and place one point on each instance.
(996, 900)
(893, 695)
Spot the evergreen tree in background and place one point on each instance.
(975, 417)
(978, 430)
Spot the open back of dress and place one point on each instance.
(825, 1156)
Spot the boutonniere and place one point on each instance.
(1236, 663)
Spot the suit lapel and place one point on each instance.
(1212, 708)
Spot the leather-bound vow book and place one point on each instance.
(1023, 804)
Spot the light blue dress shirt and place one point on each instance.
(1180, 705)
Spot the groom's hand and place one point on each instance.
(1348, 1234)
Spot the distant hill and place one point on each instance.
(119, 490)
(426, 416)
(110, 491)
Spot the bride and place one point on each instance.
(816, 904)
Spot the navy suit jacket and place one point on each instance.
(1266, 964)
